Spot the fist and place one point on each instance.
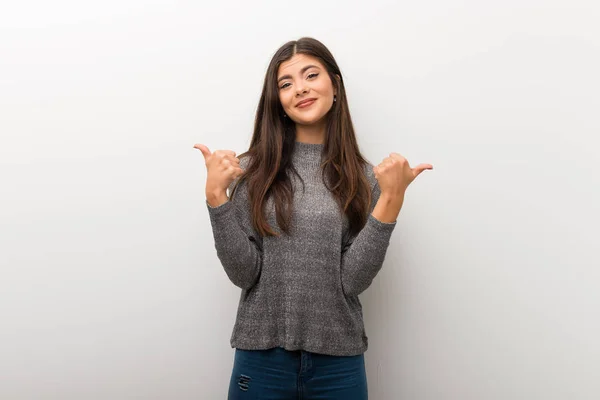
(394, 174)
(222, 166)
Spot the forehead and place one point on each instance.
(296, 63)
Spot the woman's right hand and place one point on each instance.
(223, 167)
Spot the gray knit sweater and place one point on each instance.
(300, 291)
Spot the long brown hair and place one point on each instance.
(274, 139)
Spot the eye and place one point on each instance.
(314, 74)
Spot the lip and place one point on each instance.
(306, 102)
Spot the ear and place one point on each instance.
(339, 82)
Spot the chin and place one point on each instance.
(310, 121)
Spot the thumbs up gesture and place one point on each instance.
(223, 167)
(394, 174)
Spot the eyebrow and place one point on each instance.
(303, 70)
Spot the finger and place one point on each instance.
(386, 166)
(235, 171)
(385, 161)
(239, 172)
(424, 166)
(232, 159)
(205, 151)
(226, 152)
(227, 163)
(396, 156)
(420, 168)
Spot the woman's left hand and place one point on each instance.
(394, 174)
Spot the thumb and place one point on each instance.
(420, 168)
(205, 151)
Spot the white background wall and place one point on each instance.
(110, 287)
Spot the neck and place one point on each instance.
(313, 134)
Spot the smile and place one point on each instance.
(307, 104)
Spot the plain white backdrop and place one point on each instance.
(110, 288)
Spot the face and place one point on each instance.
(302, 78)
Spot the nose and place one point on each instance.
(301, 90)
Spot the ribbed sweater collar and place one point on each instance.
(307, 154)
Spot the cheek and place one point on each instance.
(325, 88)
(285, 100)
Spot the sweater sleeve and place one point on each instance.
(238, 245)
(363, 254)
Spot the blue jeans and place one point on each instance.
(279, 374)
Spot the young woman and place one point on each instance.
(303, 232)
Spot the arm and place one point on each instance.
(363, 255)
(238, 245)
